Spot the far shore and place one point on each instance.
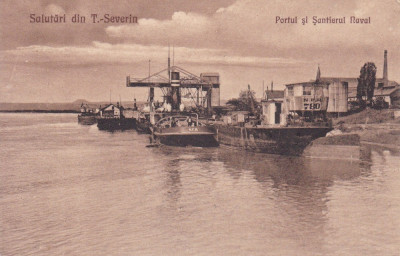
(38, 111)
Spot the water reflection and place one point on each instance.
(279, 198)
(298, 188)
(284, 170)
(173, 180)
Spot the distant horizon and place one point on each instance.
(77, 101)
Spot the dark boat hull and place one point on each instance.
(143, 126)
(87, 119)
(200, 136)
(111, 124)
(282, 140)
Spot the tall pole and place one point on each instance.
(263, 91)
(149, 70)
(151, 91)
(168, 94)
(169, 65)
(197, 98)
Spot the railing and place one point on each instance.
(170, 120)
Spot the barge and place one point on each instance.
(115, 117)
(87, 119)
(287, 123)
(183, 131)
(87, 115)
(273, 140)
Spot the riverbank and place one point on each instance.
(373, 126)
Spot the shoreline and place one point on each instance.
(382, 132)
(378, 136)
(378, 127)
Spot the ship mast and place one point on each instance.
(169, 65)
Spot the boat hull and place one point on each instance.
(282, 140)
(143, 126)
(111, 124)
(200, 136)
(87, 119)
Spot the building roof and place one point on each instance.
(209, 74)
(354, 80)
(391, 87)
(108, 105)
(386, 91)
(392, 84)
(310, 83)
(274, 94)
(338, 79)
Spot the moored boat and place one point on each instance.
(110, 123)
(288, 121)
(145, 121)
(115, 117)
(87, 118)
(87, 115)
(184, 131)
(273, 140)
(143, 125)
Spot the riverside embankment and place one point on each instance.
(380, 127)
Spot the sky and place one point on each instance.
(239, 39)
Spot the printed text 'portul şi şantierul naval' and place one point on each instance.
(322, 20)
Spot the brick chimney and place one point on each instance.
(385, 70)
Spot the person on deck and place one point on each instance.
(173, 122)
(189, 121)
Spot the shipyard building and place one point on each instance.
(388, 90)
(305, 100)
(324, 95)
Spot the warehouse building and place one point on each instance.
(388, 90)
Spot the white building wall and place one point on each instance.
(337, 94)
(269, 110)
(298, 90)
(116, 111)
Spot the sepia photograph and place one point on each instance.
(211, 127)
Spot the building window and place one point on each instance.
(306, 90)
(290, 91)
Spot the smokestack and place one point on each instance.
(385, 70)
(318, 75)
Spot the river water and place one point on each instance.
(68, 189)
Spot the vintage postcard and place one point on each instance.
(225, 127)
